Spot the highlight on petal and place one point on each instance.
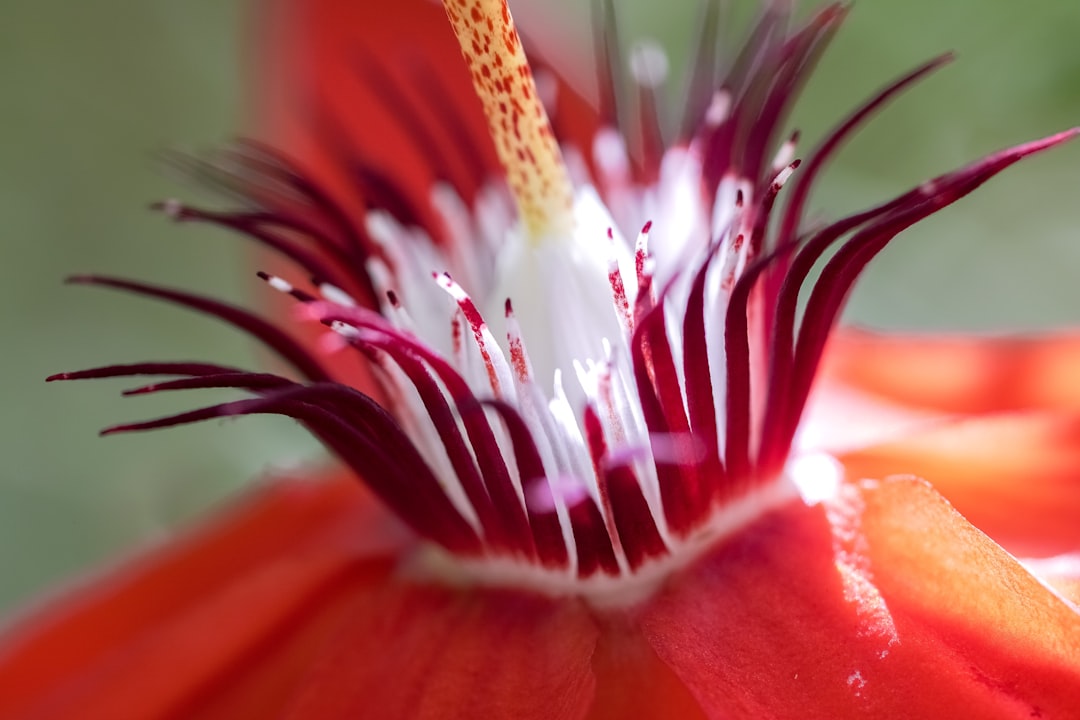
(1014, 476)
(221, 623)
(1061, 572)
(882, 603)
(960, 374)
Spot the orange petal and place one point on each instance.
(1016, 477)
(226, 618)
(432, 652)
(960, 375)
(886, 603)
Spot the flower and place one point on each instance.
(600, 517)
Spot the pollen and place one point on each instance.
(518, 123)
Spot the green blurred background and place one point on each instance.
(92, 90)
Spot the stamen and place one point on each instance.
(284, 286)
(517, 121)
(498, 371)
(618, 290)
(334, 294)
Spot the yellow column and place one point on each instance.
(516, 118)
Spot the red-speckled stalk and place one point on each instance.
(519, 125)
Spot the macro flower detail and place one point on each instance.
(574, 367)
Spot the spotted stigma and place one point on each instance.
(517, 121)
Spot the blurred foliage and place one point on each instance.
(93, 90)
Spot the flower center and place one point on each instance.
(645, 400)
(625, 453)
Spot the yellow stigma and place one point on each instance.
(516, 117)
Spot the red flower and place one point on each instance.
(601, 516)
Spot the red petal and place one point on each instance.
(632, 682)
(316, 99)
(412, 651)
(225, 619)
(960, 375)
(885, 604)
(1015, 477)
